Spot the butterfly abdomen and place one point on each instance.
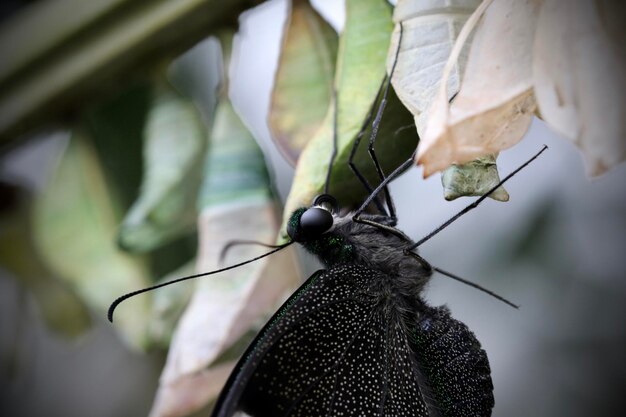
(454, 364)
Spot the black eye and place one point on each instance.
(306, 224)
(315, 221)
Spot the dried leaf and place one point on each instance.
(429, 30)
(579, 72)
(303, 84)
(236, 203)
(61, 309)
(174, 144)
(495, 104)
(360, 70)
(474, 178)
(74, 224)
(189, 394)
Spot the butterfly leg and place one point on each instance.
(372, 152)
(384, 89)
(356, 217)
(355, 146)
(375, 126)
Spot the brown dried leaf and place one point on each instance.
(495, 104)
(303, 85)
(579, 70)
(223, 307)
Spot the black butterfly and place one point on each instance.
(357, 338)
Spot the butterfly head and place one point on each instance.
(313, 228)
(307, 224)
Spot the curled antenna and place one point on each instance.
(238, 242)
(154, 287)
(474, 285)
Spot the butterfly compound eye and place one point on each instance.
(310, 223)
(315, 221)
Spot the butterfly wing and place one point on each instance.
(332, 349)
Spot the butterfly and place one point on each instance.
(358, 338)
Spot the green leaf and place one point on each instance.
(304, 78)
(474, 178)
(235, 171)
(116, 127)
(75, 219)
(61, 309)
(175, 140)
(360, 70)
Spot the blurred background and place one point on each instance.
(556, 248)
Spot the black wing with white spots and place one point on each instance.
(336, 348)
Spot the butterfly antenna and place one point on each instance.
(232, 243)
(477, 202)
(334, 153)
(474, 285)
(154, 287)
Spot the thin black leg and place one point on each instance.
(376, 125)
(396, 172)
(355, 146)
(371, 150)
